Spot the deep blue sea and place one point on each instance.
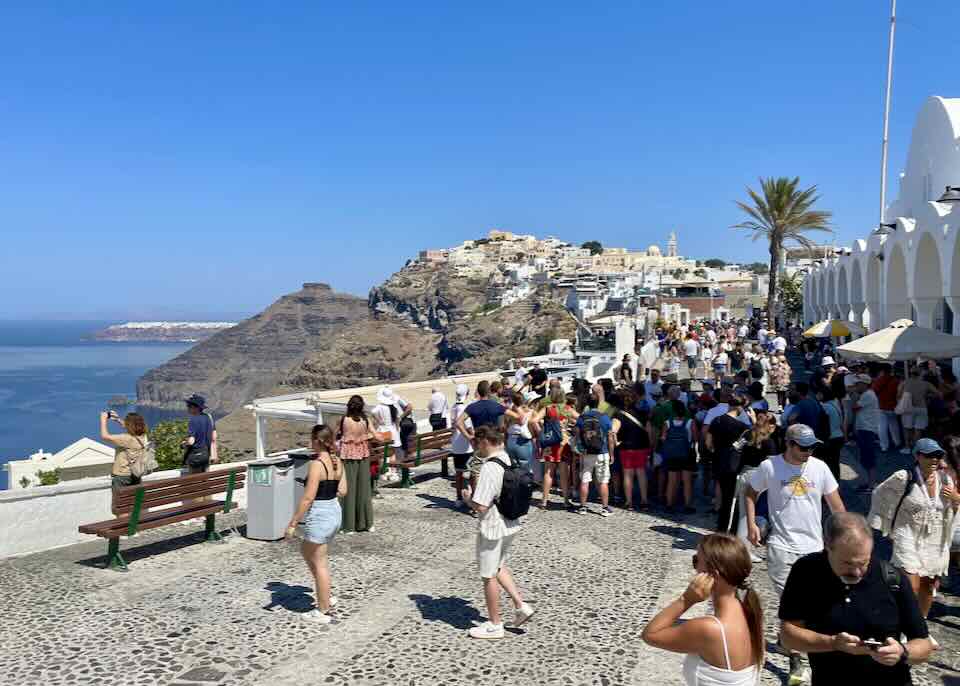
(53, 384)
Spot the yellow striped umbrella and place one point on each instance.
(833, 328)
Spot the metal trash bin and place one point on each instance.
(270, 504)
(301, 465)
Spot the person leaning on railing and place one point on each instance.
(128, 447)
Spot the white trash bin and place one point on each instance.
(270, 503)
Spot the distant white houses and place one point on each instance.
(82, 458)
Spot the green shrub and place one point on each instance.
(49, 478)
(168, 437)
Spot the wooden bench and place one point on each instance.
(153, 504)
(429, 447)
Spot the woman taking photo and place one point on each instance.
(726, 647)
(325, 483)
(129, 448)
(355, 435)
(916, 509)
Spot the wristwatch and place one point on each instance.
(905, 655)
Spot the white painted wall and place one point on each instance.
(46, 517)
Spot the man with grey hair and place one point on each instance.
(847, 609)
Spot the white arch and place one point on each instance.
(897, 300)
(843, 293)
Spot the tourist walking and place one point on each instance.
(437, 410)
(677, 440)
(495, 535)
(691, 350)
(556, 420)
(595, 434)
(460, 445)
(200, 445)
(915, 417)
(760, 444)
(866, 407)
(387, 414)
(319, 509)
(727, 647)
(723, 433)
(519, 419)
(886, 386)
(833, 445)
(916, 509)
(129, 451)
(848, 609)
(780, 375)
(355, 436)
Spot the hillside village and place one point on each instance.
(596, 282)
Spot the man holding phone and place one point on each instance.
(847, 609)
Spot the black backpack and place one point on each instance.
(756, 369)
(591, 429)
(517, 490)
(822, 429)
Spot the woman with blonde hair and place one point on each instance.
(129, 448)
(556, 416)
(321, 514)
(726, 647)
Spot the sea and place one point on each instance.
(54, 383)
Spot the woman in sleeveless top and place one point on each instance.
(320, 511)
(725, 648)
(355, 435)
(519, 435)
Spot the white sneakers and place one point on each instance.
(487, 630)
(316, 617)
(522, 614)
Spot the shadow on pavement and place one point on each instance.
(438, 501)
(291, 598)
(683, 539)
(457, 612)
(145, 550)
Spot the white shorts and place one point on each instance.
(779, 564)
(595, 465)
(917, 419)
(491, 554)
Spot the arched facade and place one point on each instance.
(912, 271)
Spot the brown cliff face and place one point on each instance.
(244, 362)
(428, 296)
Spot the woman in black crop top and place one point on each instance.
(320, 511)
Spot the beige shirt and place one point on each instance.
(919, 390)
(128, 448)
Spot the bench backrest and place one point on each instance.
(169, 491)
(434, 439)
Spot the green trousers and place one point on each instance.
(358, 505)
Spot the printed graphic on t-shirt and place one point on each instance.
(798, 485)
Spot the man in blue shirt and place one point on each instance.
(807, 410)
(482, 412)
(200, 446)
(596, 436)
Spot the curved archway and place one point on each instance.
(843, 293)
(928, 283)
(857, 302)
(897, 304)
(873, 319)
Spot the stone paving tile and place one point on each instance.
(193, 613)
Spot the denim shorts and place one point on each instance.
(322, 521)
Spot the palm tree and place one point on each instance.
(782, 214)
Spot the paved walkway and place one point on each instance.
(190, 613)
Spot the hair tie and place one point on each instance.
(745, 585)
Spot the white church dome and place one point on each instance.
(653, 251)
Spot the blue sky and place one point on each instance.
(192, 159)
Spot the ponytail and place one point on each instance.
(753, 609)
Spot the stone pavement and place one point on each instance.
(191, 613)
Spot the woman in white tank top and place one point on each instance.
(726, 648)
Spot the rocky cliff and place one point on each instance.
(234, 366)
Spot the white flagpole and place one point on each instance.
(886, 112)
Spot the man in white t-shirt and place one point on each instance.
(742, 332)
(866, 407)
(780, 344)
(520, 378)
(762, 336)
(796, 483)
(495, 535)
(691, 349)
(438, 409)
(653, 386)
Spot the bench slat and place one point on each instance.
(153, 493)
(118, 527)
(178, 497)
(176, 480)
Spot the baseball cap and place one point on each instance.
(827, 361)
(927, 446)
(863, 378)
(802, 435)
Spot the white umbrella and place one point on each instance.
(903, 340)
(833, 328)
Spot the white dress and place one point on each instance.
(699, 672)
(923, 531)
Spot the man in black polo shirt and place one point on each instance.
(847, 610)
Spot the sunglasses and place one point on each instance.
(932, 456)
(803, 448)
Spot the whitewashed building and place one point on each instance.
(910, 266)
(85, 457)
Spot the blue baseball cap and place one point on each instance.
(803, 435)
(927, 446)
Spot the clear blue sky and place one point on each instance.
(184, 158)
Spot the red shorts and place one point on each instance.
(634, 459)
(557, 453)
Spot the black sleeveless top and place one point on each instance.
(629, 435)
(326, 488)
